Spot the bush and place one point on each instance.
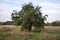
(36, 30)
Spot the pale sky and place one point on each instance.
(50, 7)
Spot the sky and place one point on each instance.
(49, 7)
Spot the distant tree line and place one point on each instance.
(54, 23)
(7, 23)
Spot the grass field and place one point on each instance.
(11, 32)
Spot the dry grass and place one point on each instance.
(52, 27)
(50, 33)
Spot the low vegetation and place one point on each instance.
(7, 33)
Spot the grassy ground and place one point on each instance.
(14, 33)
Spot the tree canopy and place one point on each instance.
(29, 16)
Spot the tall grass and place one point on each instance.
(48, 34)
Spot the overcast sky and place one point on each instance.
(50, 7)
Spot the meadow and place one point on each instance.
(11, 32)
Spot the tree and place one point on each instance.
(15, 17)
(55, 23)
(29, 16)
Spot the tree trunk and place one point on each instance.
(29, 28)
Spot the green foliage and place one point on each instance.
(36, 30)
(29, 16)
